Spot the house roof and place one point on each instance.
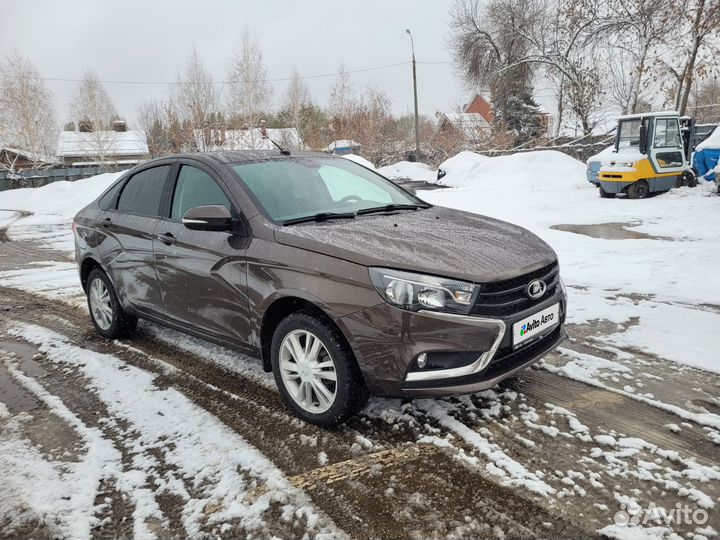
(213, 139)
(109, 143)
(468, 124)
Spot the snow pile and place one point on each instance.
(359, 160)
(408, 169)
(544, 170)
(62, 199)
(713, 141)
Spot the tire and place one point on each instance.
(638, 190)
(108, 316)
(686, 179)
(348, 392)
(604, 194)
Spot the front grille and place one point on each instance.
(508, 296)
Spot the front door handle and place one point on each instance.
(106, 222)
(167, 238)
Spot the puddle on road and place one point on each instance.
(609, 231)
(14, 396)
(48, 433)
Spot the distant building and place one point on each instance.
(469, 126)
(15, 159)
(343, 147)
(116, 147)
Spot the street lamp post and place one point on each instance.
(417, 118)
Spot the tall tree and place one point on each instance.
(637, 27)
(699, 22)
(27, 118)
(250, 94)
(489, 53)
(95, 112)
(196, 97)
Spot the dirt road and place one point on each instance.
(554, 453)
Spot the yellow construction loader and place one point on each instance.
(651, 155)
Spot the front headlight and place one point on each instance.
(415, 292)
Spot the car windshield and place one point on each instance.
(289, 189)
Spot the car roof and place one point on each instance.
(241, 156)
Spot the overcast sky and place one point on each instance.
(133, 40)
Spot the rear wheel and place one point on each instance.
(316, 371)
(686, 179)
(604, 194)
(108, 316)
(638, 190)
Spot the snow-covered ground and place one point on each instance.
(619, 415)
(673, 268)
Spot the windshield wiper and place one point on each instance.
(322, 216)
(390, 208)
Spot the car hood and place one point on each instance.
(437, 240)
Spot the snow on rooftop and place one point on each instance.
(648, 114)
(107, 143)
(713, 141)
(469, 124)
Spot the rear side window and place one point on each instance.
(142, 193)
(195, 188)
(109, 200)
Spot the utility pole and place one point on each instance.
(417, 117)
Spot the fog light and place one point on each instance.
(422, 360)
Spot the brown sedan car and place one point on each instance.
(343, 283)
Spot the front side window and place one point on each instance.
(667, 133)
(143, 192)
(294, 188)
(195, 188)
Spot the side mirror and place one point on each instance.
(643, 139)
(212, 217)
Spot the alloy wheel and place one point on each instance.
(100, 304)
(308, 371)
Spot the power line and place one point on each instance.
(281, 79)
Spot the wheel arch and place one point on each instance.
(280, 308)
(87, 265)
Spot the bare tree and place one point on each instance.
(637, 27)
(698, 22)
(92, 107)
(250, 94)
(704, 104)
(490, 53)
(195, 99)
(342, 103)
(27, 118)
(159, 121)
(297, 104)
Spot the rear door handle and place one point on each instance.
(167, 238)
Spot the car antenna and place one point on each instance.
(282, 150)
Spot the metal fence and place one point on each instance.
(36, 178)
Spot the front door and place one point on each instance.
(203, 274)
(667, 154)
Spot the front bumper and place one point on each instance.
(387, 341)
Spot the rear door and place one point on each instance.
(129, 224)
(203, 274)
(667, 154)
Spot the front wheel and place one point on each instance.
(638, 190)
(108, 316)
(315, 370)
